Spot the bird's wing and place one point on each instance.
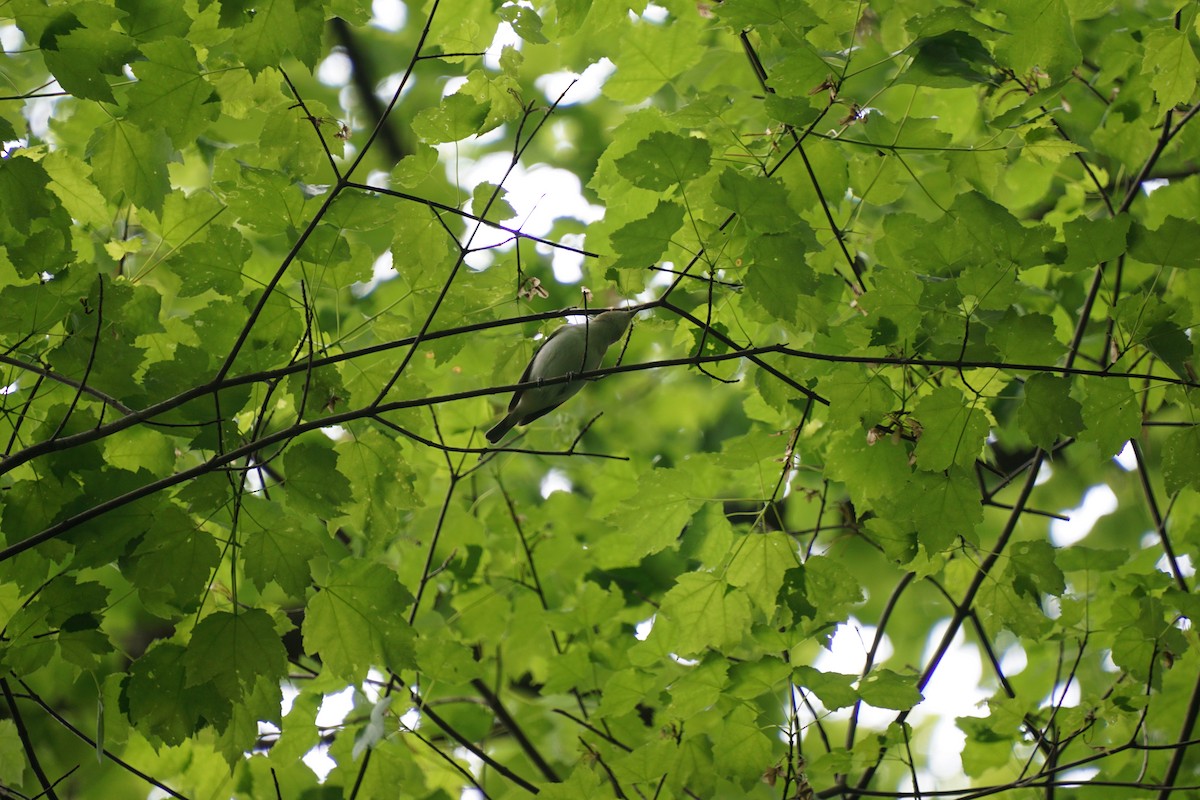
(529, 368)
(568, 391)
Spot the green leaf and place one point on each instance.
(1034, 571)
(989, 745)
(741, 747)
(149, 20)
(758, 565)
(832, 588)
(490, 200)
(799, 112)
(948, 60)
(1181, 459)
(858, 396)
(649, 57)
(23, 182)
(274, 31)
(833, 688)
(779, 280)
(64, 599)
(794, 15)
(12, 752)
(953, 430)
(1049, 412)
(173, 563)
(884, 688)
(357, 621)
(231, 652)
(457, 117)
(665, 159)
(416, 167)
(1047, 146)
(1040, 37)
(35, 228)
(105, 345)
(1111, 414)
(525, 21)
(1171, 244)
(80, 58)
(1094, 242)
(1080, 558)
(1172, 64)
(992, 234)
(701, 612)
(313, 482)
(625, 690)
(583, 783)
(130, 164)
(870, 467)
(895, 296)
(171, 92)
(162, 672)
(214, 264)
(939, 507)
(761, 203)
(651, 519)
(501, 93)
(277, 546)
(264, 200)
(71, 182)
(1025, 338)
(642, 242)
(381, 478)
(241, 733)
(1171, 345)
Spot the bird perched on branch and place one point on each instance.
(568, 351)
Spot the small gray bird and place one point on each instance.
(569, 350)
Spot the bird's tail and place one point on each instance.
(500, 428)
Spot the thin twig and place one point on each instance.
(26, 742)
(48, 373)
(1160, 524)
(92, 744)
(510, 724)
(91, 362)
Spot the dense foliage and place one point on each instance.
(912, 275)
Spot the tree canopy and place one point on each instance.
(913, 280)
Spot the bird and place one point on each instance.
(569, 350)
